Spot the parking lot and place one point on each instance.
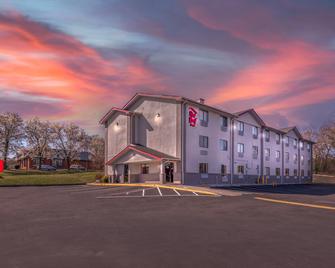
(89, 226)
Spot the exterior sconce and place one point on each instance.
(158, 117)
(116, 126)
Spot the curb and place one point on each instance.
(41, 185)
(150, 185)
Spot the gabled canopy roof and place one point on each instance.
(113, 111)
(254, 114)
(294, 129)
(145, 151)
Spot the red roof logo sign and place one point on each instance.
(192, 116)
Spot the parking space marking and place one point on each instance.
(194, 193)
(176, 192)
(294, 203)
(143, 192)
(151, 196)
(160, 193)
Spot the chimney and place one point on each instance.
(201, 100)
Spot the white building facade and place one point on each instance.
(172, 139)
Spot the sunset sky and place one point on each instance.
(71, 60)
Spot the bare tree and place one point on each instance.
(97, 148)
(38, 137)
(11, 134)
(68, 139)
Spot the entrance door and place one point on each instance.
(125, 173)
(169, 172)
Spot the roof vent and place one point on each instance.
(201, 100)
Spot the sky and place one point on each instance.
(70, 60)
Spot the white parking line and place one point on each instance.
(160, 193)
(194, 193)
(177, 192)
(149, 196)
(143, 192)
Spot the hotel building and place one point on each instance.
(172, 139)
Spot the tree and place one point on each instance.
(38, 137)
(11, 134)
(97, 148)
(69, 140)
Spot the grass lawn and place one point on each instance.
(46, 178)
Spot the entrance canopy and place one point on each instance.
(137, 153)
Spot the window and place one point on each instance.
(308, 173)
(287, 172)
(302, 145)
(302, 159)
(240, 149)
(224, 123)
(302, 173)
(287, 141)
(267, 154)
(277, 171)
(203, 116)
(255, 132)
(295, 172)
(295, 158)
(240, 169)
(223, 145)
(295, 143)
(223, 170)
(255, 152)
(144, 169)
(203, 141)
(308, 147)
(203, 168)
(240, 128)
(267, 171)
(267, 135)
(278, 156)
(287, 156)
(277, 138)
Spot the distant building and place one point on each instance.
(54, 158)
(161, 138)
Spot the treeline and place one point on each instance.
(324, 148)
(38, 138)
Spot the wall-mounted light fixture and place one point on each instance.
(158, 117)
(116, 126)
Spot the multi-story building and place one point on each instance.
(172, 139)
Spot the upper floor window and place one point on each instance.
(267, 154)
(223, 145)
(287, 156)
(203, 168)
(302, 173)
(302, 159)
(254, 152)
(224, 123)
(278, 156)
(287, 141)
(277, 138)
(295, 143)
(240, 149)
(255, 132)
(203, 117)
(203, 141)
(302, 145)
(308, 147)
(240, 128)
(267, 135)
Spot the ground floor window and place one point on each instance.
(267, 171)
(240, 169)
(277, 171)
(144, 169)
(223, 170)
(203, 168)
(308, 173)
(302, 173)
(295, 172)
(287, 172)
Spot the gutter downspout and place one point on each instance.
(232, 123)
(183, 140)
(262, 153)
(283, 154)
